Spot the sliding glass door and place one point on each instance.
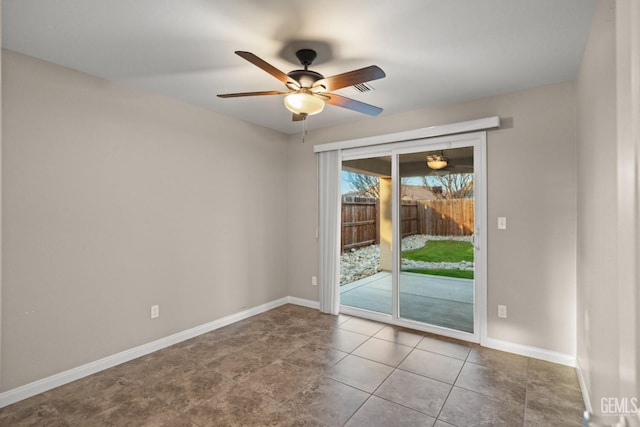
(411, 222)
(436, 229)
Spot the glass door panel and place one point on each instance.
(366, 234)
(436, 277)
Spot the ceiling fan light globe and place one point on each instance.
(303, 102)
(436, 162)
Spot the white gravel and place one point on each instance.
(364, 262)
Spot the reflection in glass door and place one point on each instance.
(436, 277)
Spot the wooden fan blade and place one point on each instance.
(236, 95)
(299, 117)
(352, 104)
(261, 63)
(351, 78)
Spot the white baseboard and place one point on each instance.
(304, 302)
(28, 390)
(534, 352)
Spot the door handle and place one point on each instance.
(476, 240)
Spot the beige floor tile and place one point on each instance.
(497, 359)
(501, 384)
(555, 401)
(415, 391)
(467, 408)
(362, 326)
(378, 412)
(446, 348)
(339, 339)
(382, 351)
(361, 373)
(280, 380)
(315, 357)
(399, 335)
(329, 401)
(432, 365)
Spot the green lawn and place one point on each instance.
(442, 251)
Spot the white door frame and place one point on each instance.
(477, 140)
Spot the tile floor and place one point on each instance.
(293, 366)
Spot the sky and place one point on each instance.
(346, 187)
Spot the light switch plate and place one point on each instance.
(502, 223)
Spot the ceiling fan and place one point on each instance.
(439, 165)
(308, 90)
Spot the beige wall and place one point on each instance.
(114, 200)
(607, 237)
(597, 275)
(531, 180)
(0, 198)
(628, 191)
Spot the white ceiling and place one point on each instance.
(434, 52)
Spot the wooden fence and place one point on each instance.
(361, 216)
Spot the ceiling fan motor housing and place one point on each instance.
(306, 78)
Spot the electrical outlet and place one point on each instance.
(314, 281)
(502, 311)
(155, 311)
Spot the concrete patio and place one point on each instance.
(442, 301)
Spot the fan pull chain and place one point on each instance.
(305, 129)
